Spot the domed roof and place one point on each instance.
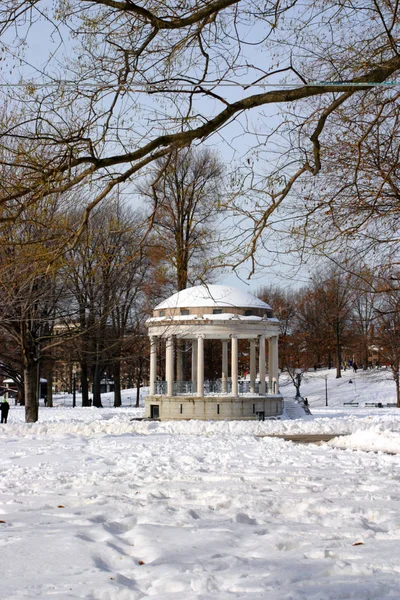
(210, 296)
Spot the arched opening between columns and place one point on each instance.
(228, 380)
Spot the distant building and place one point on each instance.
(10, 388)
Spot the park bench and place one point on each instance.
(391, 404)
(375, 404)
(350, 403)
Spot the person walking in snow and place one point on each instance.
(4, 407)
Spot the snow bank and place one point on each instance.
(89, 422)
(375, 439)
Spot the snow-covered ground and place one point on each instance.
(95, 505)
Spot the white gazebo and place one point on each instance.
(213, 312)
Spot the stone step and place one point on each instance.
(294, 410)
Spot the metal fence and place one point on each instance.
(182, 388)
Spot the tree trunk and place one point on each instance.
(117, 384)
(338, 352)
(85, 327)
(138, 392)
(85, 383)
(139, 374)
(96, 387)
(397, 381)
(49, 377)
(31, 391)
(366, 356)
(137, 395)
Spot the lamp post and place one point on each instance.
(326, 390)
(73, 387)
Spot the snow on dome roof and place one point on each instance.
(212, 295)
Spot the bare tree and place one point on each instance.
(284, 304)
(388, 334)
(147, 79)
(354, 205)
(185, 193)
(105, 272)
(29, 294)
(11, 366)
(332, 294)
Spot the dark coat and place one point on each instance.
(4, 407)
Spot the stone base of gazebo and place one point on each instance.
(213, 408)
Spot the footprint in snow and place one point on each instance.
(245, 519)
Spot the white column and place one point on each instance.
(234, 365)
(224, 366)
(200, 366)
(153, 365)
(252, 366)
(194, 366)
(270, 366)
(169, 365)
(275, 363)
(261, 365)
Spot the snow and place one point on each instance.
(97, 506)
(210, 317)
(212, 295)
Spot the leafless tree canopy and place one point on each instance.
(354, 204)
(116, 85)
(184, 191)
